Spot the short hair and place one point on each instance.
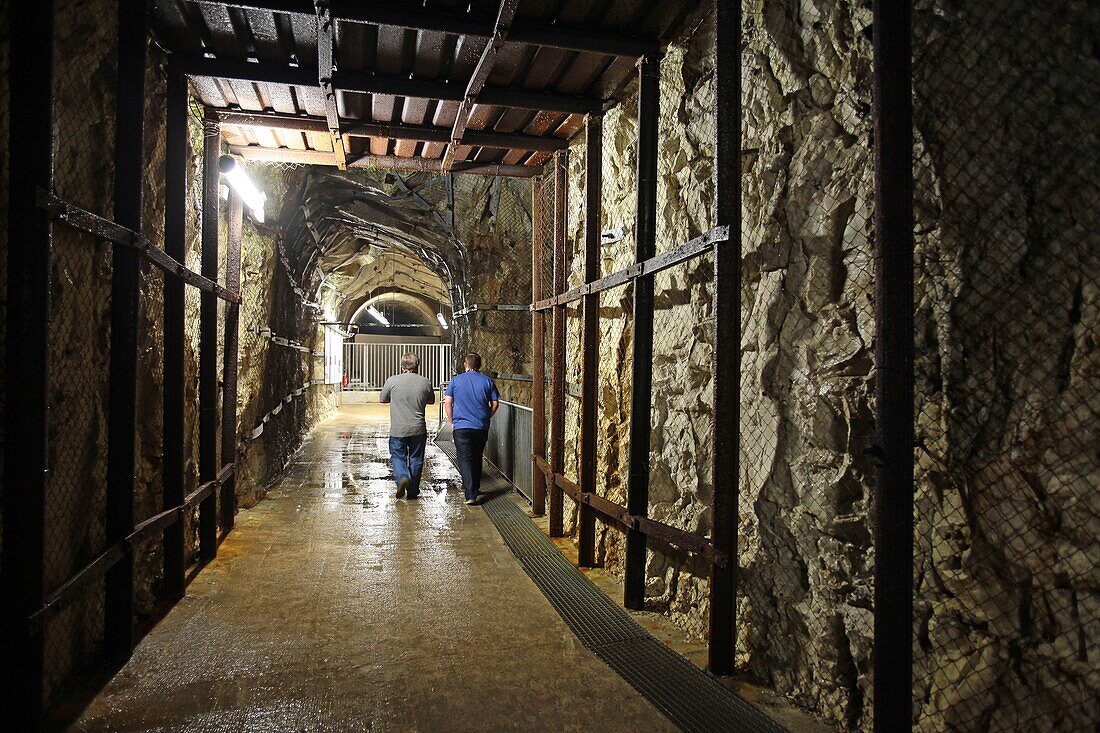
(473, 360)
(410, 362)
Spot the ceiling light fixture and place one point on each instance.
(377, 316)
(253, 197)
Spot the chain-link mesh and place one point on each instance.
(804, 544)
(84, 101)
(1007, 607)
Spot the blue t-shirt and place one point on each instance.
(472, 393)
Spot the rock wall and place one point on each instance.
(1008, 567)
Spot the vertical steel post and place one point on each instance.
(726, 357)
(557, 357)
(175, 245)
(229, 363)
(590, 334)
(208, 338)
(893, 491)
(26, 377)
(125, 304)
(641, 393)
(538, 351)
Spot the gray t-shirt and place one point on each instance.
(407, 393)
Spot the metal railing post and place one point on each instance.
(641, 394)
(726, 357)
(229, 358)
(590, 334)
(125, 307)
(538, 359)
(26, 376)
(175, 245)
(557, 388)
(208, 339)
(894, 411)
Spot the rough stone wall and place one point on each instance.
(680, 487)
(1008, 371)
(493, 222)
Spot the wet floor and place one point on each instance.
(334, 606)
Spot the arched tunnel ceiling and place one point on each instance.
(357, 233)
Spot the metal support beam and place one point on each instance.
(423, 133)
(726, 356)
(26, 375)
(175, 245)
(894, 412)
(393, 162)
(538, 358)
(229, 359)
(590, 333)
(641, 393)
(443, 20)
(125, 306)
(208, 338)
(326, 58)
(557, 364)
(477, 80)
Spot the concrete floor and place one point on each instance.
(333, 606)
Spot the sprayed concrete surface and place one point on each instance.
(335, 606)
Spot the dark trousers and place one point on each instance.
(470, 445)
(407, 456)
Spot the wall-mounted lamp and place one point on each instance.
(377, 316)
(442, 320)
(253, 197)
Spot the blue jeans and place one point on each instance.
(470, 445)
(407, 456)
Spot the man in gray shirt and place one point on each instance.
(407, 394)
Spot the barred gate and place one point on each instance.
(368, 366)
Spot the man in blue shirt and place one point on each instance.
(471, 400)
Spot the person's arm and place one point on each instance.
(448, 408)
(384, 395)
(494, 398)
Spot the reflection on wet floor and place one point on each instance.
(335, 606)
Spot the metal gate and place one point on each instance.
(369, 365)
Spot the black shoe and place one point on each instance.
(402, 487)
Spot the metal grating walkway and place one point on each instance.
(686, 695)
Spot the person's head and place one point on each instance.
(410, 363)
(473, 361)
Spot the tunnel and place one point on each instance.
(550, 365)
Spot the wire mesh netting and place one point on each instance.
(805, 562)
(1007, 166)
(79, 330)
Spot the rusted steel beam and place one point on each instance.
(175, 246)
(26, 358)
(476, 83)
(104, 562)
(304, 76)
(208, 337)
(894, 413)
(77, 218)
(118, 602)
(444, 20)
(590, 334)
(392, 162)
(716, 236)
(538, 359)
(557, 363)
(229, 431)
(326, 58)
(726, 355)
(641, 395)
(619, 517)
(273, 120)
